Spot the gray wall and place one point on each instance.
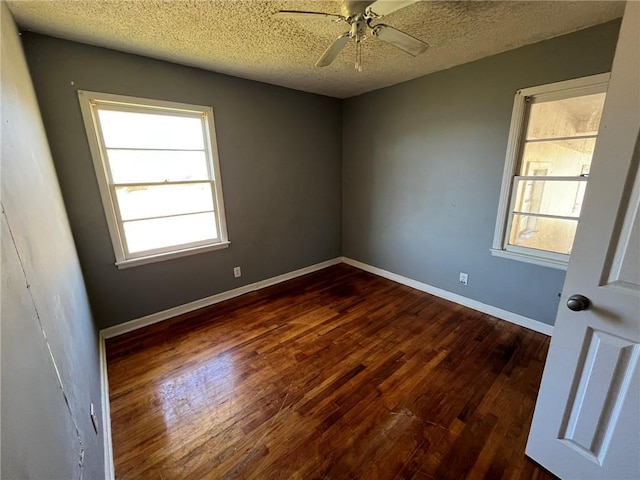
(280, 156)
(422, 168)
(42, 436)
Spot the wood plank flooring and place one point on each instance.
(336, 375)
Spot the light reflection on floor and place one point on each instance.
(202, 392)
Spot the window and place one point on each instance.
(159, 177)
(553, 134)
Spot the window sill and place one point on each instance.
(521, 257)
(134, 262)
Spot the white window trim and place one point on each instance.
(577, 86)
(92, 127)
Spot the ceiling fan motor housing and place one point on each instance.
(358, 29)
(351, 8)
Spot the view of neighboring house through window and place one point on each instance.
(158, 171)
(552, 140)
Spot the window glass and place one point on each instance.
(541, 233)
(554, 147)
(144, 235)
(145, 166)
(563, 158)
(558, 198)
(123, 129)
(163, 200)
(570, 117)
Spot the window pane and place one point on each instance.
(566, 118)
(145, 235)
(566, 158)
(143, 166)
(549, 197)
(148, 130)
(551, 234)
(163, 200)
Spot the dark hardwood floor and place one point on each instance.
(338, 374)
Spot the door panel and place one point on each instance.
(624, 271)
(602, 383)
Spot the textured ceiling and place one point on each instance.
(241, 38)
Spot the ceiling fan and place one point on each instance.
(360, 15)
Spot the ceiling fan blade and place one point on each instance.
(403, 41)
(385, 7)
(307, 15)
(332, 52)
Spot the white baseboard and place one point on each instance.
(236, 292)
(109, 470)
(454, 297)
(213, 299)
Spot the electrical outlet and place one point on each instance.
(464, 278)
(237, 272)
(94, 419)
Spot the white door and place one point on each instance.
(587, 419)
